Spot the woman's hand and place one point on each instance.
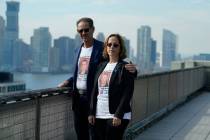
(131, 67)
(91, 119)
(116, 121)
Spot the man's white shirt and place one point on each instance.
(83, 65)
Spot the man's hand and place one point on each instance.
(91, 119)
(131, 68)
(116, 121)
(63, 84)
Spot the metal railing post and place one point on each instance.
(38, 115)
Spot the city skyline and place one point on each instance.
(189, 19)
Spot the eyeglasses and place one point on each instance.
(83, 30)
(114, 45)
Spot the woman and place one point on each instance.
(110, 109)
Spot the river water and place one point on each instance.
(40, 81)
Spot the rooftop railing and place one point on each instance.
(46, 114)
(39, 114)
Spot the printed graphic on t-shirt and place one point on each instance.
(102, 109)
(83, 68)
(83, 65)
(104, 82)
(82, 72)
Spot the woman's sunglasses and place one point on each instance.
(114, 45)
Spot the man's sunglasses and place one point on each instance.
(83, 30)
(114, 45)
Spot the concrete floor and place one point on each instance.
(188, 122)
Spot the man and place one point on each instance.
(82, 84)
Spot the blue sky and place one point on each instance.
(188, 19)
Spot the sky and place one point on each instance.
(188, 19)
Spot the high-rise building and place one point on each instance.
(41, 42)
(169, 51)
(66, 48)
(77, 41)
(12, 24)
(178, 57)
(127, 46)
(100, 36)
(22, 56)
(12, 32)
(144, 42)
(158, 60)
(153, 52)
(2, 31)
(133, 56)
(202, 56)
(54, 59)
(2, 40)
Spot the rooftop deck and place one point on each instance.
(46, 114)
(188, 122)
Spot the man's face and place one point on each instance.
(86, 33)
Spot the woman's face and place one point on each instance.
(113, 47)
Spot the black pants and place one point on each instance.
(83, 129)
(106, 131)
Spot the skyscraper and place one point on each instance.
(100, 36)
(169, 51)
(12, 32)
(157, 61)
(133, 56)
(77, 41)
(66, 48)
(144, 42)
(41, 41)
(12, 25)
(2, 40)
(22, 56)
(202, 56)
(54, 59)
(2, 31)
(153, 53)
(127, 46)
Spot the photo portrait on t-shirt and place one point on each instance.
(83, 65)
(104, 79)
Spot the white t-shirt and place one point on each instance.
(102, 108)
(83, 65)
